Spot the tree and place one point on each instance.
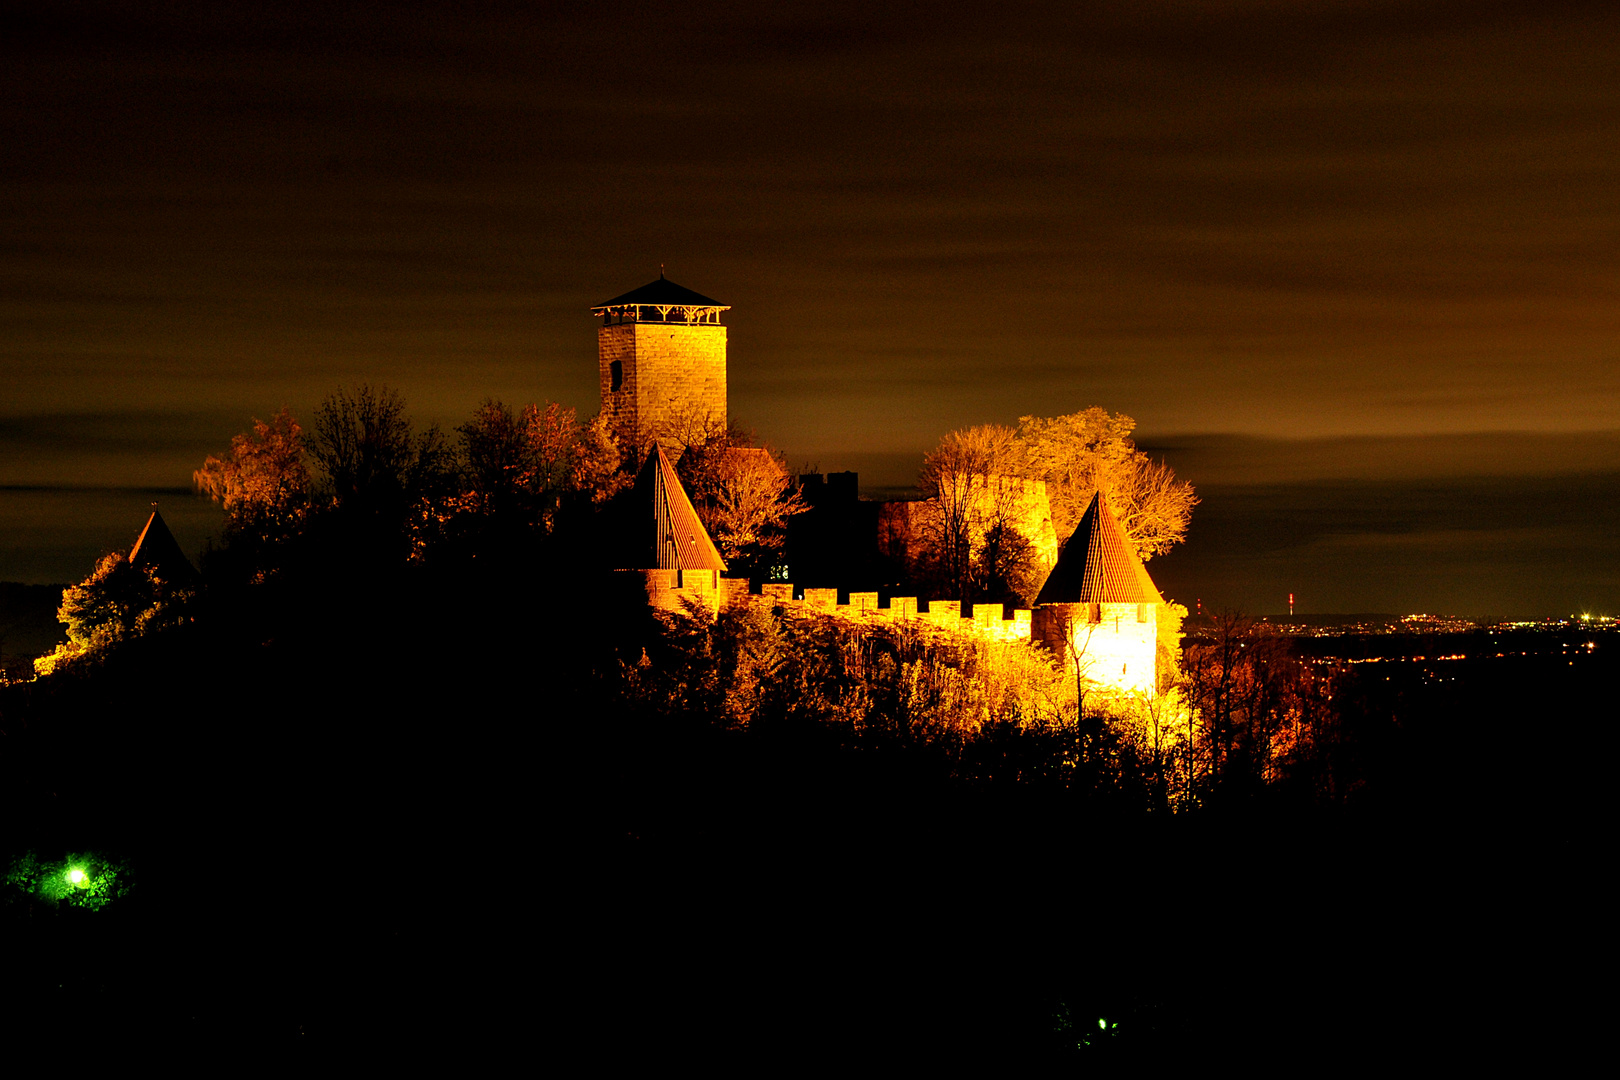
(740, 491)
(117, 602)
(383, 483)
(494, 456)
(1248, 689)
(565, 459)
(372, 460)
(516, 477)
(975, 524)
(527, 465)
(596, 462)
(263, 485)
(1008, 568)
(973, 527)
(748, 504)
(1083, 452)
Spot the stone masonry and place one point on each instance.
(1110, 645)
(665, 372)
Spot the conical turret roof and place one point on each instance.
(1098, 565)
(157, 548)
(664, 530)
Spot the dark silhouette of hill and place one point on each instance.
(344, 829)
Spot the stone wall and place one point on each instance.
(676, 590)
(989, 622)
(665, 371)
(1022, 505)
(1114, 645)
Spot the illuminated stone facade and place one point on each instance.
(681, 590)
(906, 529)
(1111, 646)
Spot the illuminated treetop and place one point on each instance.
(1098, 564)
(661, 301)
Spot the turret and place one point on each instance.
(1098, 610)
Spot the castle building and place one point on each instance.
(662, 541)
(1099, 609)
(661, 361)
(661, 358)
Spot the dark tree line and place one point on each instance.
(392, 767)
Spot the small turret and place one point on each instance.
(1099, 609)
(156, 549)
(662, 539)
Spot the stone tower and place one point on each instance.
(661, 359)
(1098, 610)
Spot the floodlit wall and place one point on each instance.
(989, 622)
(664, 371)
(678, 590)
(1115, 646)
(904, 528)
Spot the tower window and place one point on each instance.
(616, 374)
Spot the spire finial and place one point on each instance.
(660, 271)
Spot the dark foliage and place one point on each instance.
(374, 799)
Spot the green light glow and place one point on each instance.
(83, 880)
(1102, 1025)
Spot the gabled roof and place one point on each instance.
(665, 533)
(157, 548)
(661, 292)
(1098, 565)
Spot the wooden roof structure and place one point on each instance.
(1098, 564)
(157, 549)
(662, 301)
(665, 532)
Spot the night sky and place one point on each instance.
(1353, 267)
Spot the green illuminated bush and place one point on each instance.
(83, 880)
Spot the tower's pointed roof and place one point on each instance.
(157, 548)
(664, 530)
(662, 292)
(1098, 565)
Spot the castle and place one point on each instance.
(661, 359)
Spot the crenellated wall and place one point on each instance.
(987, 621)
(1114, 646)
(674, 590)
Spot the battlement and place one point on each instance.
(988, 622)
(677, 590)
